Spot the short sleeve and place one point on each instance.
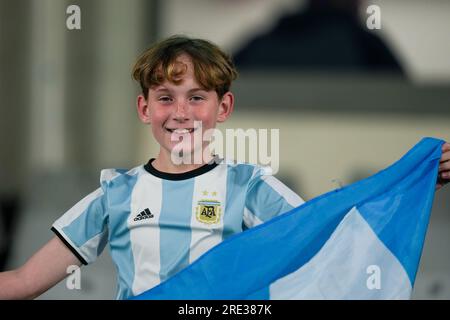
(267, 197)
(84, 227)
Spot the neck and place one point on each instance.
(163, 162)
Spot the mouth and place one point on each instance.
(180, 130)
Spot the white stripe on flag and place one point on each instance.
(347, 267)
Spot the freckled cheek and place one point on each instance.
(207, 117)
(158, 117)
(157, 125)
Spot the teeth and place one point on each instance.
(181, 131)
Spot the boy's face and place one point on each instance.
(172, 109)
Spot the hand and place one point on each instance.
(444, 167)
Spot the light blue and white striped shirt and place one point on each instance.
(157, 223)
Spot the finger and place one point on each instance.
(446, 147)
(444, 166)
(445, 156)
(438, 187)
(443, 178)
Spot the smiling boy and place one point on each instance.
(180, 105)
(159, 217)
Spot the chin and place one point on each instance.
(187, 155)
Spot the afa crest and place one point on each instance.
(208, 211)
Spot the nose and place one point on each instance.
(181, 112)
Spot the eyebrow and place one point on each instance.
(162, 89)
(197, 89)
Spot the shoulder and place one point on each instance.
(111, 176)
(246, 169)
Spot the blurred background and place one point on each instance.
(348, 101)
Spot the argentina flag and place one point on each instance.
(363, 241)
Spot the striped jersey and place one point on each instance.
(157, 223)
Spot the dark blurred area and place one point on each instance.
(14, 95)
(9, 216)
(326, 35)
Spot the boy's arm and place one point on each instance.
(42, 271)
(266, 198)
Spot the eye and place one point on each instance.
(165, 99)
(197, 98)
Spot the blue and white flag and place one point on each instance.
(363, 241)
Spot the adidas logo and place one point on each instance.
(146, 214)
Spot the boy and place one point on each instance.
(161, 216)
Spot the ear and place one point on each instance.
(143, 109)
(226, 107)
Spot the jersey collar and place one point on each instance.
(185, 175)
